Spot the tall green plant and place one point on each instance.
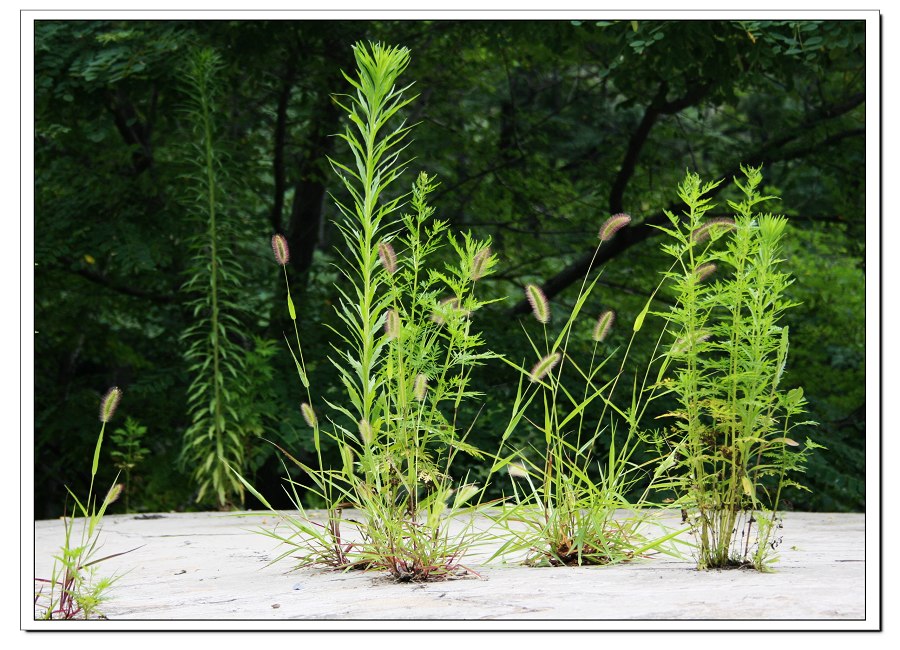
(566, 500)
(730, 447)
(405, 354)
(220, 399)
(431, 351)
(74, 588)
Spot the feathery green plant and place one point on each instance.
(405, 355)
(566, 501)
(74, 589)
(128, 452)
(729, 451)
(221, 401)
(431, 351)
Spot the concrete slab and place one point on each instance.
(212, 567)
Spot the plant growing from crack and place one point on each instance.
(406, 352)
(567, 501)
(74, 588)
(730, 448)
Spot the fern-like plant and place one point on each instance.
(220, 400)
(730, 447)
(128, 452)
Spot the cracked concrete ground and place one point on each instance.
(214, 567)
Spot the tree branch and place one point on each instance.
(278, 172)
(127, 290)
(133, 131)
(309, 188)
(773, 151)
(658, 106)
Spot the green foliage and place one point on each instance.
(534, 128)
(730, 449)
(74, 588)
(128, 453)
(224, 416)
(104, 276)
(405, 355)
(830, 292)
(569, 515)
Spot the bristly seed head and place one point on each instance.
(604, 325)
(720, 224)
(420, 387)
(114, 493)
(705, 270)
(479, 263)
(109, 403)
(517, 470)
(683, 345)
(437, 315)
(538, 301)
(281, 250)
(612, 225)
(450, 307)
(542, 367)
(309, 415)
(392, 324)
(388, 257)
(365, 432)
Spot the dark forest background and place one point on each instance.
(537, 131)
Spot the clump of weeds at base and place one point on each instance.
(567, 506)
(405, 354)
(73, 589)
(729, 450)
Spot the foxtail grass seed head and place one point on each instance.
(392, 324)
(388, 257)
(442, 309)
(448, 307)
(420, 387)
(719, 224)
(348, 457)
(464, 493)
(114, 493)
(538, 301)
(309, 415)
(604, 325)
(281, 250)
(479, 263)
(681, 346)
(109, 403)
(705, 270)
(365, 432)
(516, 470)
(544, 366)
(613, 225)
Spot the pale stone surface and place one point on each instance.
(214, 567)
